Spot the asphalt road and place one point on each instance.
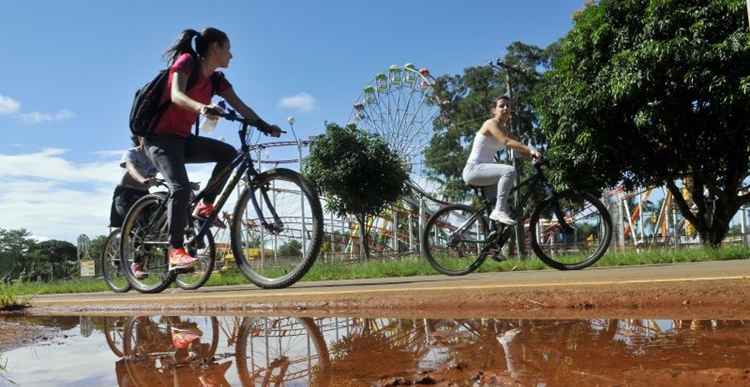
(689, 288)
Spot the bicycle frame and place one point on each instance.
(537, 179)
(243, 167)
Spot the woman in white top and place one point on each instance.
(481, 169)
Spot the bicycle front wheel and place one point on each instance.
(111, 264)
(275, 244)
(453, 239)
(570, 231)
(144, 240)
(299, 354)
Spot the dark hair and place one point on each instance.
(502, 97)
(203, 41)
(136, 140)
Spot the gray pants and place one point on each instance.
(496, 178)
(170, 154)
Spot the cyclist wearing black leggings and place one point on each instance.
(172, 145)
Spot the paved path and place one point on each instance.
(707, 283)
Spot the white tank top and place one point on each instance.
(483, 149)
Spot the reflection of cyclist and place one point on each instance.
(481, 168)
(172, 145)
(139, 173)
(183, 360)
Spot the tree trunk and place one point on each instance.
(712, 221)
(364, 249)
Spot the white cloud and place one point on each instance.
(114, 153)
(38, 118)
(8, 105)
(56, 198)
(49, 164)
(302, 102)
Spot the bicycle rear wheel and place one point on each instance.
(111, 264)
(453, 239)
(276, 252)
(571, 231)
(205, 251)
(144, 240)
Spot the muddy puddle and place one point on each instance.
(299, 351)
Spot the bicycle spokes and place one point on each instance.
(571, 231)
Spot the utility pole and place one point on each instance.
(518, 231)
(748, 11)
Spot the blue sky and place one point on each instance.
(69, 70)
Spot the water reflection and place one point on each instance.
(198, 351)
(249, 351)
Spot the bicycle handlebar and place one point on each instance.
(231, 115)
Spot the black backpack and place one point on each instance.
(147, 107)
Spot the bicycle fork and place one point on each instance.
(251, 175)
(277, 225)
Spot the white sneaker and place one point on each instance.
(502, 217)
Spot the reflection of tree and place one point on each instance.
(566, 352)
(383, 349)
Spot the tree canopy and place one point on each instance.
(648, 92)
(357, 172)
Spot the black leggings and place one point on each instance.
(170, 154)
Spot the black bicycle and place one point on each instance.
(276, 228)
(568, 230)
(115, 276)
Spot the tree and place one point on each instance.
(291, 249)
(55, 255)
(357, 172)
(15, 249)
(467, 99)
(648, 92)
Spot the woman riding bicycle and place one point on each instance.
(481, 169)
(172, 145)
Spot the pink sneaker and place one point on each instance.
(181, 338)
(204, 210)
(179, 259)
(138, 272)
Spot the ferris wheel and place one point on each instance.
(401, 106)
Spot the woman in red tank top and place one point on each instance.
(172, 145)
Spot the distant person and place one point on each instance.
(172, 145)
(139, 175)
(481, 170)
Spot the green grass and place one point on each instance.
(10, 300)
(404, 267)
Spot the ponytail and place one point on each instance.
(202, 42)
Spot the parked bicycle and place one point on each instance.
(276, 229)
(568, 230)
